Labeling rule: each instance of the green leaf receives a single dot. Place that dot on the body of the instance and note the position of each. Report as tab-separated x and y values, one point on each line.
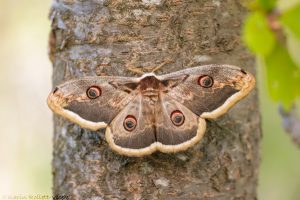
267	4
283	76
293	45
291	19
257	35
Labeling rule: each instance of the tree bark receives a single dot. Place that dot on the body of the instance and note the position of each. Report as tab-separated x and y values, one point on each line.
116	37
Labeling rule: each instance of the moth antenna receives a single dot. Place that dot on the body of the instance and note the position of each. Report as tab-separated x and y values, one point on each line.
135	70
166	61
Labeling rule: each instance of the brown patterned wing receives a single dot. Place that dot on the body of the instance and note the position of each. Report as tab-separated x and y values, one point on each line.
209	90
132	132
177	128
92	102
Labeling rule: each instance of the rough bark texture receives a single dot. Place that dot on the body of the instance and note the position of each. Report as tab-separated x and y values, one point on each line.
95	37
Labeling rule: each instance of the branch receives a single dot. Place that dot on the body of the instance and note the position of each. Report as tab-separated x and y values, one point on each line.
291	123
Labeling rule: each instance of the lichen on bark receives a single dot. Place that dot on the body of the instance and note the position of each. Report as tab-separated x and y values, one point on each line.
116	37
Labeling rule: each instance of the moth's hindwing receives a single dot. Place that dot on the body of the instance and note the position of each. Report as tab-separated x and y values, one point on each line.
153	128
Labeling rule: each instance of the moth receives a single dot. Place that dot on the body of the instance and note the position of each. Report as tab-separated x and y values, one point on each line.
152	113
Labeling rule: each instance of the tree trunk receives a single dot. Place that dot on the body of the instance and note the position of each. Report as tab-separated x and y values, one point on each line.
115	37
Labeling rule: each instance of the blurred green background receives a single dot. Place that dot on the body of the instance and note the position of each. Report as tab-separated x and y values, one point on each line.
26	122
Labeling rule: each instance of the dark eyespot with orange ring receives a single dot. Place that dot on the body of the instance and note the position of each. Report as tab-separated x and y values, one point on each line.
129	123
93	92
177	118
205	81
